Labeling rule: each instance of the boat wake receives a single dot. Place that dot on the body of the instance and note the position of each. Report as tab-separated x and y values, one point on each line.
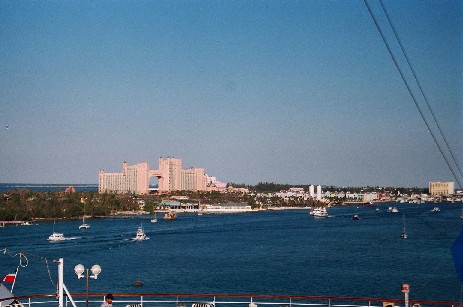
139	240
72	238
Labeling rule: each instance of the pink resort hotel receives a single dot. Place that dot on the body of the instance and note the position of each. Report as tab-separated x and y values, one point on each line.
171	177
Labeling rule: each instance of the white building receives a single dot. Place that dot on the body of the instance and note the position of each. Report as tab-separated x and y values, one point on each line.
226	208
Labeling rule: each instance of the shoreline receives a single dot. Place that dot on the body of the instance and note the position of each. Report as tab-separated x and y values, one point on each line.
134	214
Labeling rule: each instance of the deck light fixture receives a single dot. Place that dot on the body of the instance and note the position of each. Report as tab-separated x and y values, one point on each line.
80	269
96	269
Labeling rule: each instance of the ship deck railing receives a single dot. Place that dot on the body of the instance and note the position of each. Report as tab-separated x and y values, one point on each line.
220	300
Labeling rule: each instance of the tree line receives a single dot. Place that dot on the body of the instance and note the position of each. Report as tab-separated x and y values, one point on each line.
24	205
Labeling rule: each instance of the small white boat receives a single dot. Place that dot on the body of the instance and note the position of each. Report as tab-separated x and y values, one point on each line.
319	212
435	209
84	225
404	232
140	236
56	237
356	217
394	210
200	211
154	219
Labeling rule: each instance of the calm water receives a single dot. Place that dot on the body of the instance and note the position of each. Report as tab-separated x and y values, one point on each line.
284	252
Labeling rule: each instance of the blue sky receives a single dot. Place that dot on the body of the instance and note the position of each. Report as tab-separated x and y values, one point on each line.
299	92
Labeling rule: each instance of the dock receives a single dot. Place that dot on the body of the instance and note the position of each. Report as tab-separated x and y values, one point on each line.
12	223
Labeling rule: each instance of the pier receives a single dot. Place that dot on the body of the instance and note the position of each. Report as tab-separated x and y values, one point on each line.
13	223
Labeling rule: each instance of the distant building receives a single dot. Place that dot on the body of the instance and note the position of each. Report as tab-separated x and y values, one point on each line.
237	190
171	177
133	179
227	207
212	184
370	196
170	172
441	188
193	179
70	189
354	196
171	204
292	192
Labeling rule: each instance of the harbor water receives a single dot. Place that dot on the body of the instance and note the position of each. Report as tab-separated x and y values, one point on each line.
269	252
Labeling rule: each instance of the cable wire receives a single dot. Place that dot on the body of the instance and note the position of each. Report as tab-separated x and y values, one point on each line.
410	91
421	90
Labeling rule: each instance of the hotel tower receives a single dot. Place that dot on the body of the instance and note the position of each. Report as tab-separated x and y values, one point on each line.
171	177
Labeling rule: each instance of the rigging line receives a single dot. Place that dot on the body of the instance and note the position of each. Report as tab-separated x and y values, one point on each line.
6	251
420	88
23	255
410	91
49	274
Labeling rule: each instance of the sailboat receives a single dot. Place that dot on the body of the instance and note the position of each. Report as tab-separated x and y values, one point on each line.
200	209
84	225
154	220
404	232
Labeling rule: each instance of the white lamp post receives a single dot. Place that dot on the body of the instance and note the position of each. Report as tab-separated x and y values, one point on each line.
79	270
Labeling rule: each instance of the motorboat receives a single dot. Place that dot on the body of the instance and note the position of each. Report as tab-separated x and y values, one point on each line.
170	216
435	209
394	210
319	212
56	237
356	217
140	236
